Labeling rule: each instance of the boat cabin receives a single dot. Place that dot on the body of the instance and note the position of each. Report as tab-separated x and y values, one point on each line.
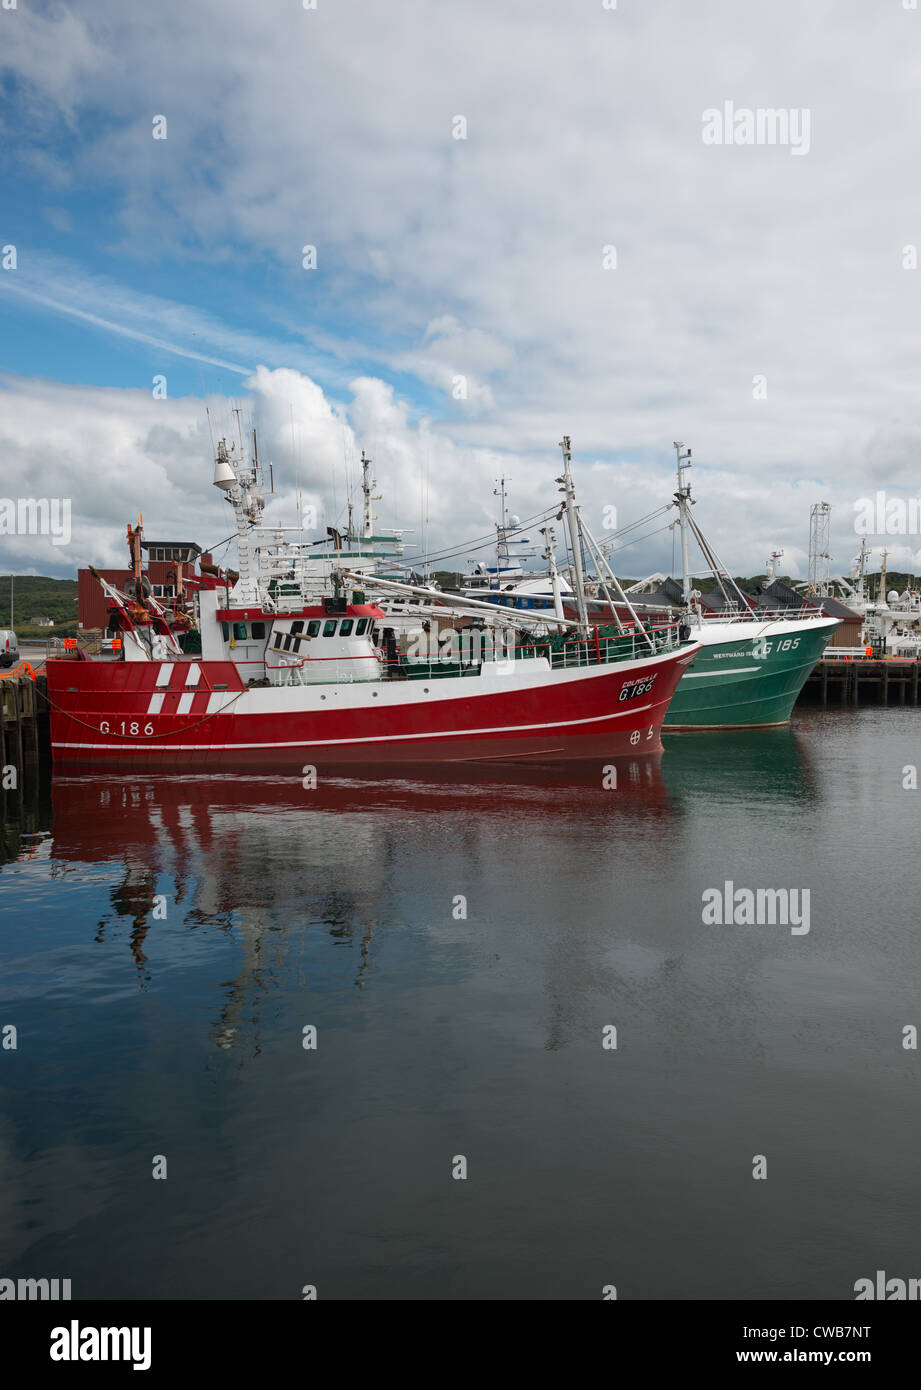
331	641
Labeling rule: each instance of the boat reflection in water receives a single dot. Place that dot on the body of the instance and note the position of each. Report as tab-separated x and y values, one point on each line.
443	1031
264	857
751	767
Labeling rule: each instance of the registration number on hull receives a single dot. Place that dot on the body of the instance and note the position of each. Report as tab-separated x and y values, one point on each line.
638	687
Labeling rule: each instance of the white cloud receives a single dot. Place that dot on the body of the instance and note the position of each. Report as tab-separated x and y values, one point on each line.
483	257
114	453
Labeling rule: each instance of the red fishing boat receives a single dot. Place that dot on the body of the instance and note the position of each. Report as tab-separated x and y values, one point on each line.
288	664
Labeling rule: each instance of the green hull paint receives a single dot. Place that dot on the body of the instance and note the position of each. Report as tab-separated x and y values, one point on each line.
729	685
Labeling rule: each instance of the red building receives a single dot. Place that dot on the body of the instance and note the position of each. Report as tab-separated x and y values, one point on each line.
167	562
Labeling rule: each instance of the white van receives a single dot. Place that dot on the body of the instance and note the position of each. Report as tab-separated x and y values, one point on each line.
9	646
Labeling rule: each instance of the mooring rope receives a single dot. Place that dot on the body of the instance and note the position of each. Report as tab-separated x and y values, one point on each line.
170	732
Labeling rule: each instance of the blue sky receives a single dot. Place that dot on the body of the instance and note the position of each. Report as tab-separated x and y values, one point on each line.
479	258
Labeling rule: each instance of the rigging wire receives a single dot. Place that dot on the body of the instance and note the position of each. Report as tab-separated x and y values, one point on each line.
638	540
479	542
641	521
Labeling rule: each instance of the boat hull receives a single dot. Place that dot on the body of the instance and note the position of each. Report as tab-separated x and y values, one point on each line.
748	680
200	715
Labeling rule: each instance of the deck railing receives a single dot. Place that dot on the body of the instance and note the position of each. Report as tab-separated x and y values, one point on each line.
565	653
765	615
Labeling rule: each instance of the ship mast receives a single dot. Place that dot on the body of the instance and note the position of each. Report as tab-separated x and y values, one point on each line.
683	498
239	485
862	569
367	484
550	556
572	521
501	532
772	567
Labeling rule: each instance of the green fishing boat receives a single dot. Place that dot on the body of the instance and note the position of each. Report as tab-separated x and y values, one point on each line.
754	660
748	673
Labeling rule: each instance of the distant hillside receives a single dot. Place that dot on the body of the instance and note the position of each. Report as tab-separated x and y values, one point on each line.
895	579
38	597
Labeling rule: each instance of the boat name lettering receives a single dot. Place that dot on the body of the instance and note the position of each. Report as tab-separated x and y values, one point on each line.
637	687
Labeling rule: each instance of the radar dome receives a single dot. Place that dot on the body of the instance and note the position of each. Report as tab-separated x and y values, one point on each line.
892	596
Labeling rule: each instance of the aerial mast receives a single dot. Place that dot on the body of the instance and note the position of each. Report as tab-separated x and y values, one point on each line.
502	556
368	483
550	556
862	568
572	520
772	567
683	498
239	486
819	549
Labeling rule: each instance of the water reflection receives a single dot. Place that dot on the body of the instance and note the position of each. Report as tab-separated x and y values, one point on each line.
749	766
277	867
262	858
181	1033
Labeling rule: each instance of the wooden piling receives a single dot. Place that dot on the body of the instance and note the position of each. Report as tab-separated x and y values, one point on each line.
23	719
864	679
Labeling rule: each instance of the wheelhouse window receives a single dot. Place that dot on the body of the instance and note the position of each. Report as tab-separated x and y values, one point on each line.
297	627
240	632
313	627
225	632
329	628
345	627
361	627
258	629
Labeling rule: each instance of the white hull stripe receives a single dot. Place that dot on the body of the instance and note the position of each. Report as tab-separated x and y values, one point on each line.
164	673
193	676
218	700
721	671
185	703
150	746
156	704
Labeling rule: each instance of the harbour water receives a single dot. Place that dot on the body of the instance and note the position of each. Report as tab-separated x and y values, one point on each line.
461	943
